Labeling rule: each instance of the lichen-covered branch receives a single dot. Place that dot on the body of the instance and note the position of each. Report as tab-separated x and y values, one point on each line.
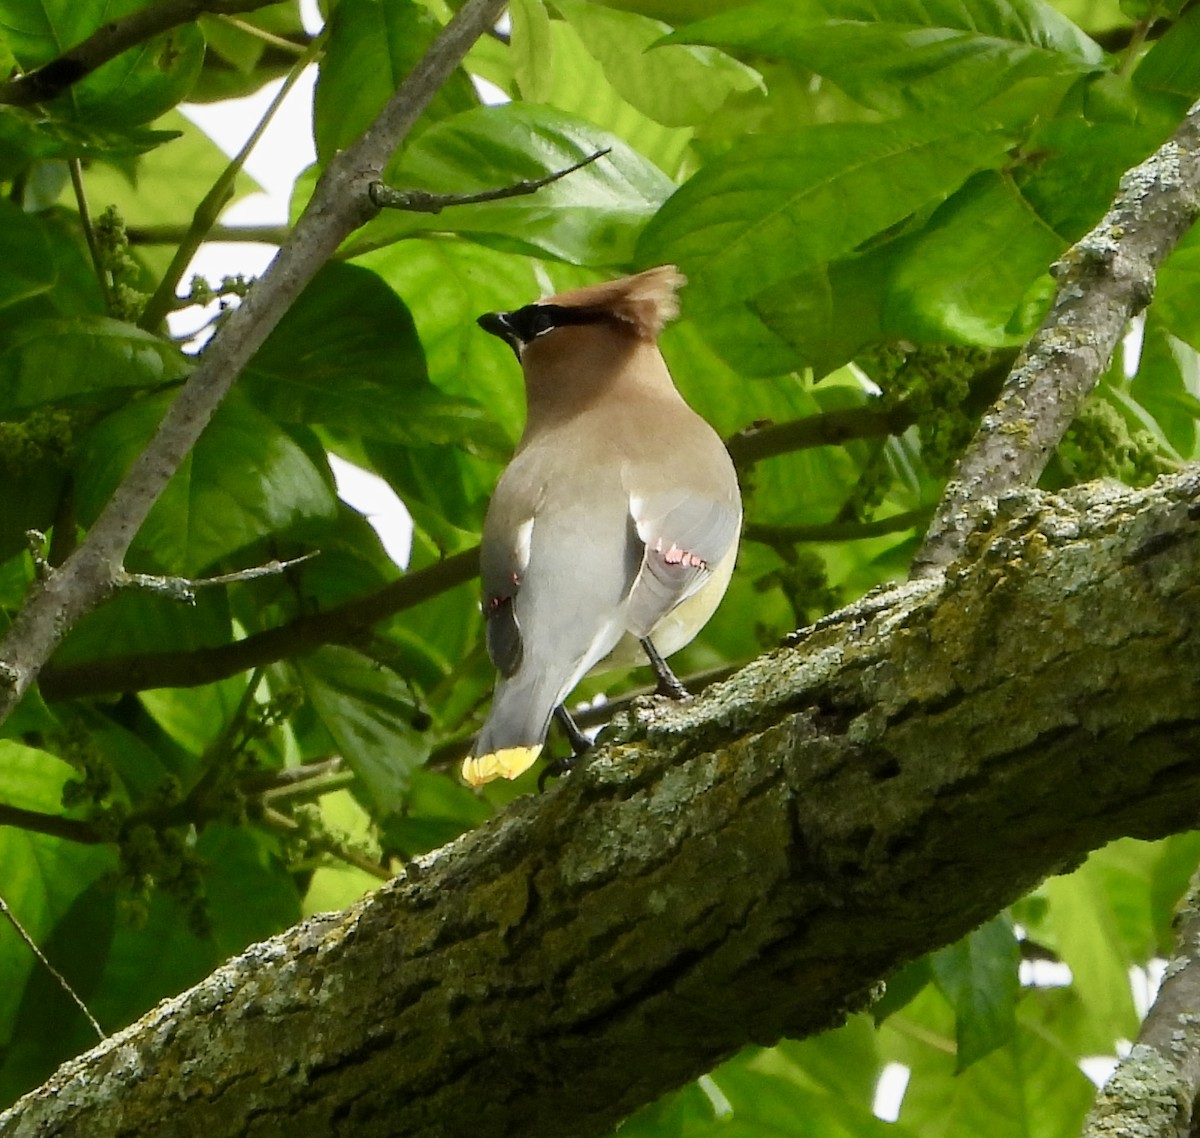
719	873
1152	1093
1103	280
340	203
110	40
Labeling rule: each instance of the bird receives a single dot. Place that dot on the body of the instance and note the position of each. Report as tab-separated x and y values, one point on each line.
613	531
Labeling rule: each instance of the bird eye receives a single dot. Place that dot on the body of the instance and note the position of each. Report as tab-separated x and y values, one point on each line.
540	322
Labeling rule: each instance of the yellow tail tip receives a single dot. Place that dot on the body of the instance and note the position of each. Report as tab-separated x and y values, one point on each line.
508	762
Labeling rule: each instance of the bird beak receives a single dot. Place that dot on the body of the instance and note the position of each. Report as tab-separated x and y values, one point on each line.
501	324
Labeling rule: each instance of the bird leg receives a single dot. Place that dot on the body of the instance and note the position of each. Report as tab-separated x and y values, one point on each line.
579	743
668	683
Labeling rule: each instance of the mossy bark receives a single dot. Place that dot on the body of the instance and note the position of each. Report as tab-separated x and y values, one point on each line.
725	872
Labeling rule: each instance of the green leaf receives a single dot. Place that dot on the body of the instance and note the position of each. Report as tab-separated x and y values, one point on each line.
135	87
1173	63
28	265
775	204
1167	385
164	186
937	292
26	137
134	622
46	361
1030	1088
369	712
590	217
903	988
372	48
41	875
532	48
1088	939
828	313
1177	292
676	84
249	896
978	975
908	56
346	355
243	480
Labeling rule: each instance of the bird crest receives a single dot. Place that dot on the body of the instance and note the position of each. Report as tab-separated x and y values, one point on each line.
645	301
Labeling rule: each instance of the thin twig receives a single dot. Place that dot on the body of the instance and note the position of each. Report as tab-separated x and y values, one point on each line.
173	234
289	46
89	230
423	201
344	624
835	531
107	42
267	782
184	588
282	823
1103	280
58	976
69	829
217	198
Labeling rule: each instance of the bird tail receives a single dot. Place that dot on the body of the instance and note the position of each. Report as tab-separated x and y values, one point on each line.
512	737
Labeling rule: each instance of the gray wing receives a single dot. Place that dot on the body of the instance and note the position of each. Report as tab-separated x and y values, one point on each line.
504	557
685	536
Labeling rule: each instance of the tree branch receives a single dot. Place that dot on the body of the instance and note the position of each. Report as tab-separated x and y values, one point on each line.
724	872
834	531
340	203
70	829
108	41
348	623
423	201
1103	280
1152	1093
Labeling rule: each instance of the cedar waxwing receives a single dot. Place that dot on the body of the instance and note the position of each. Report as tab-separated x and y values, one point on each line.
614	530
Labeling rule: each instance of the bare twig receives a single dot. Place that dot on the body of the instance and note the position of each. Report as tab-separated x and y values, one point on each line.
89	230
835	531
344	624
326	844
60	979
1102	281
289	47
173	234
184	588
210	207
69	829
340	203
1153	1090
107	42
423	201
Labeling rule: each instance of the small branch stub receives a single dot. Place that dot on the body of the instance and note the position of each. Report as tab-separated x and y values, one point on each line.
424	201
184	588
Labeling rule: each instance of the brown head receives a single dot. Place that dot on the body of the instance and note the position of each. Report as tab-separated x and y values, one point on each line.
579	344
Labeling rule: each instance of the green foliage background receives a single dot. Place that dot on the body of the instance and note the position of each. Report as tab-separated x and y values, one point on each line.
866	196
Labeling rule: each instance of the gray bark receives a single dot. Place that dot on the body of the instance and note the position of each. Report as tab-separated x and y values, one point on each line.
725	872
1104	279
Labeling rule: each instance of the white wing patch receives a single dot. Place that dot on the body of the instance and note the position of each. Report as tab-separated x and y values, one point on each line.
523	545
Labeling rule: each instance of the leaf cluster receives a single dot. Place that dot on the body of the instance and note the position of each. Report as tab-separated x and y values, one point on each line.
866	198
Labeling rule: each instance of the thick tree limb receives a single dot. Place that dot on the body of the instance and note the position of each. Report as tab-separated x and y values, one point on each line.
108	41
724	872
1103	280
1153	1091
340	203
